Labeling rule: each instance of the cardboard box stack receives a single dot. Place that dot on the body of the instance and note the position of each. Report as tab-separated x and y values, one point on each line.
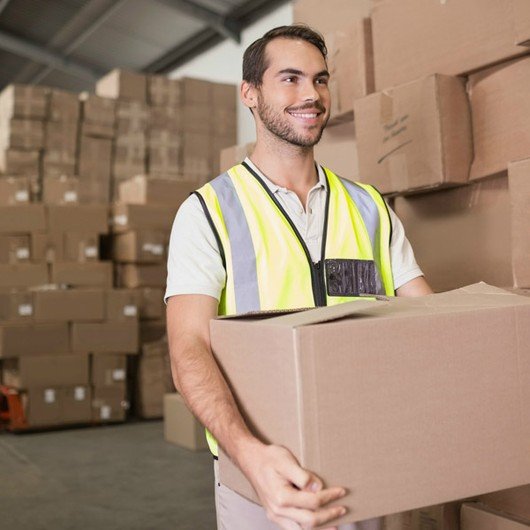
180	426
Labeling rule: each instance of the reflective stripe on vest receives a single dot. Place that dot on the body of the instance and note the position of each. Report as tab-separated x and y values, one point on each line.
267	263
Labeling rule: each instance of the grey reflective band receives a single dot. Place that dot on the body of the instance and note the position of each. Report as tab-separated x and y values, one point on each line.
241	245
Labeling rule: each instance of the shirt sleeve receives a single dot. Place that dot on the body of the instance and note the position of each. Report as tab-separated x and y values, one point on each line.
194	263
404	266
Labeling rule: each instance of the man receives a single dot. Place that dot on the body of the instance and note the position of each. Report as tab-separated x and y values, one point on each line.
277	231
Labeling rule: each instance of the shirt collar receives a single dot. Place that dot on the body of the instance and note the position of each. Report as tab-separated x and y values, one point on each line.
322	182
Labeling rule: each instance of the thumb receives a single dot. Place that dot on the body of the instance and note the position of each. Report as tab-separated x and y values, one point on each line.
314	484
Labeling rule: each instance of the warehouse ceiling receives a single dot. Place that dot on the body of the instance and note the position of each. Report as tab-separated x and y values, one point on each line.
70	43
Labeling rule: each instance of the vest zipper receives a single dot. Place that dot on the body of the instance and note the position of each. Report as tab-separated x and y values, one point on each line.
317	273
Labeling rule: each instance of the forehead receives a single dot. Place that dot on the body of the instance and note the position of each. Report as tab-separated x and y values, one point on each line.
282	53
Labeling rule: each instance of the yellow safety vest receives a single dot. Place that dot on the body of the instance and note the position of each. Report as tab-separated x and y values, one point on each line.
267	263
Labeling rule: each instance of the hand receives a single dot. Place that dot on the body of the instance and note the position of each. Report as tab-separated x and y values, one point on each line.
292	496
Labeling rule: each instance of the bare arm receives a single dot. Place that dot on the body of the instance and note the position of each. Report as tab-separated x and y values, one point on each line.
287	491
416	287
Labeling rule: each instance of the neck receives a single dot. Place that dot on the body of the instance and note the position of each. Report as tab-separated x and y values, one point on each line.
288	166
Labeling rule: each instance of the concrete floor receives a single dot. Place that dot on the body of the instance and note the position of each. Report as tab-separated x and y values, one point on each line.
104	478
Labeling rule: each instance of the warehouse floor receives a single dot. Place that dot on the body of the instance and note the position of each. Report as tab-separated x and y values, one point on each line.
106	478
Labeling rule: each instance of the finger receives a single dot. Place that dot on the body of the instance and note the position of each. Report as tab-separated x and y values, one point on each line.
299	476
311	501
310	518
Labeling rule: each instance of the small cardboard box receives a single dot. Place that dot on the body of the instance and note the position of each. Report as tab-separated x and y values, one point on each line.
500	110
131	117
24	101
81	246
88	274
129	155
109	404
122	84
165	119
46	370
20	162
108	369
415	136
163	91
47	247
14	191
132	275
23	275
402	372
126	217
16	306
61	190
22	218
414	38
23	134
180	426
145	190
57	164
165	159
68	305
480	517
121	304
140	247
98	115
78	218
61	137
150	303
95	156
17	339
152	330
105	337
63	106
15	248
513	501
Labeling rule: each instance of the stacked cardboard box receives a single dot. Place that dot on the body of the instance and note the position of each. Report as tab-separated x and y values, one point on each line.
180	426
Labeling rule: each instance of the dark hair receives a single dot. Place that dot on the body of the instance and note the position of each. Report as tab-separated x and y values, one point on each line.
254	60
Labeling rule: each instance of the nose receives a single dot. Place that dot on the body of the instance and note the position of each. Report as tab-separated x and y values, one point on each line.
309	91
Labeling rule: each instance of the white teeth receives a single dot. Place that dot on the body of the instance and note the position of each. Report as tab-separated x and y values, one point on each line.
300	115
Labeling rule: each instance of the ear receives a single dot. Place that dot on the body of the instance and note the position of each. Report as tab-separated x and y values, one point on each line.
248	94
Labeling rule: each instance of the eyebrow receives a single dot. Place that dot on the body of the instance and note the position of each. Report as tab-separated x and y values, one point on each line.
294	71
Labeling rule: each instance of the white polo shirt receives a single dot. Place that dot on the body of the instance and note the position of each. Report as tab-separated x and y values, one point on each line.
194	262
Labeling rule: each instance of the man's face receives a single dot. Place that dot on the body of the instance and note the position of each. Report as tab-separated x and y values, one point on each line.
293	100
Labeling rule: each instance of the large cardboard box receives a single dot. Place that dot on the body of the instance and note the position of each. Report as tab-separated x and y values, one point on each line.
354	391
22	218
163	91
19	339
14	248
22	134
108	369
20	162
68	304
60	141
131	117
105	337
109	404
23	275
88	274
47	247
414	38
132	275
61	190
165	119
474	233
140	247
78	218
500	109
121	304
145	190
14	191
180	426
513	501
351	65
63	106
46	370
16	306
479	517
336	15
81	246
24	101
415	136
126	217
98	115
122	84
150	303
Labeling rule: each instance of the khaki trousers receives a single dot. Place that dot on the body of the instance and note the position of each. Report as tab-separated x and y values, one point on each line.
234	512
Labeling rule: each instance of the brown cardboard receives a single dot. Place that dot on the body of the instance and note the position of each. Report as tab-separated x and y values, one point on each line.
350	63
81	246
337	150
337	13
140	247
105	337
98	115
196	161
165	119
439	517
109	404
47	247
77	404
195	91
415	136
474	233
22	134
14	191
513	501
63	106
68	305
479	517
19	162
61	138
23	275
152	330
33	339
129	155
127	217
131	117
94	168
133	275
46	370
60	190
150	303
108	369
22	218
122	84
164	159
442	30
163	91
224	95
500	110
88	274
196	117
57	164
121	304
14	248
145	190
78	218
311	381
234	155
16	306
24	101
180	426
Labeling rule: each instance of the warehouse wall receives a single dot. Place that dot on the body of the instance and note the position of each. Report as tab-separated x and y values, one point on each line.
223	63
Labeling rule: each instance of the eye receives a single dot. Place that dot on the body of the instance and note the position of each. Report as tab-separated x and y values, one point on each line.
290	79
322	81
